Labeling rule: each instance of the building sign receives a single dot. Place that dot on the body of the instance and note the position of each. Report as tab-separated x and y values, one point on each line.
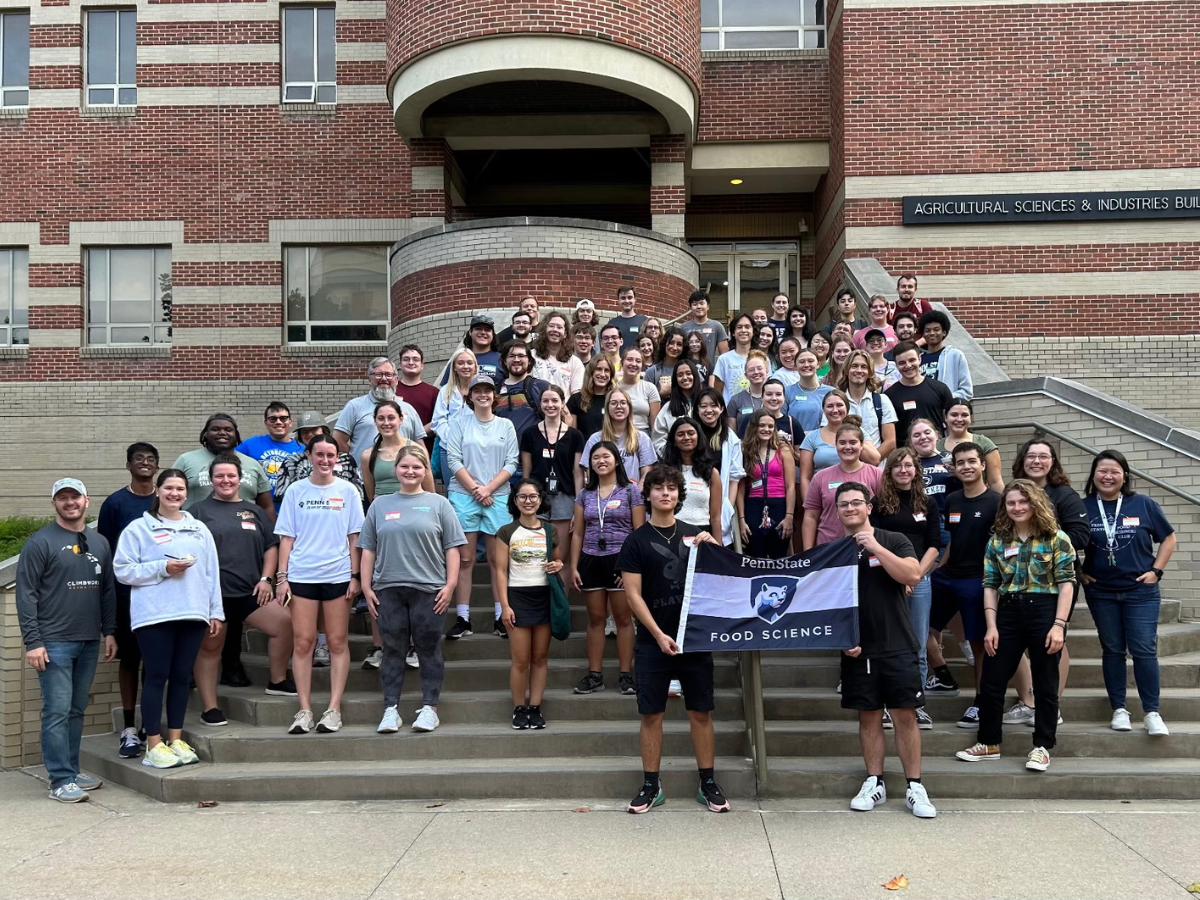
1079	207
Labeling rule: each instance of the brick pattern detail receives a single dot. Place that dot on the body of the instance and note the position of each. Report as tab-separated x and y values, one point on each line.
666	29
184	363
668	199
431	152
1048	315
56	317
195	274
764	100
668	148
1073	258
226	315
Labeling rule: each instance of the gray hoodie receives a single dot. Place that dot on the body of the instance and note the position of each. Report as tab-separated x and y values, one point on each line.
143	551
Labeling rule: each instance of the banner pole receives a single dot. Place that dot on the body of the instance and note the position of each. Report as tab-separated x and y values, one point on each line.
752	702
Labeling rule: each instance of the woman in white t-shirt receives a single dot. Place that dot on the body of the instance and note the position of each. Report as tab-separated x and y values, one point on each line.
729	373
553	359
523	565
643	395
318	526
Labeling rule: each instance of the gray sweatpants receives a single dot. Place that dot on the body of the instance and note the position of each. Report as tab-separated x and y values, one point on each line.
403	613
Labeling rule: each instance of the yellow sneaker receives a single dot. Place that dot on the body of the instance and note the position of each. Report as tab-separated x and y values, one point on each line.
160	757
184	752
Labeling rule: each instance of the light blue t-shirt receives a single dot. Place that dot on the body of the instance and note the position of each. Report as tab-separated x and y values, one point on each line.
805	406
824	455
270	454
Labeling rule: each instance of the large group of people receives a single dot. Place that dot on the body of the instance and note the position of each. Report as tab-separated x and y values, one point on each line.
594	458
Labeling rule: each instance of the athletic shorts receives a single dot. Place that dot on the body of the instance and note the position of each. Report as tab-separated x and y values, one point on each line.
653	671
599	573
891	681
562	507
241	608
531	604
474	516
128	651
322	592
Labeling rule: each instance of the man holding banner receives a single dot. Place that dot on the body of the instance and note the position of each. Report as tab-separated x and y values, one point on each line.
884	670
653	566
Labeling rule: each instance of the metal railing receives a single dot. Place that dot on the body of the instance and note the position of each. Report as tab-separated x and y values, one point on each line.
1042	430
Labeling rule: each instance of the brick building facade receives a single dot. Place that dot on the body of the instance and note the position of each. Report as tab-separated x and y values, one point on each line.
321	181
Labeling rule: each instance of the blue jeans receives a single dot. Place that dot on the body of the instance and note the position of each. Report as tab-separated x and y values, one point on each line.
66	683
918	613
1128	621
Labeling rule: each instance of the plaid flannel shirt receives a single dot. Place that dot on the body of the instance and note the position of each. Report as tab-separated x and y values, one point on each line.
1034	566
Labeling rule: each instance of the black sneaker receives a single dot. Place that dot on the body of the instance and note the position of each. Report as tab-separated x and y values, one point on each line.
970	719
499	630
536	719
924	720
941	682
234	676
460	629
650	796
213	717
710	794
887	720
591	683
285	688
625	683
521	718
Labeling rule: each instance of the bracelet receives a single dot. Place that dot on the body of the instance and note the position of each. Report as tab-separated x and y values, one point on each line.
1061	625
353	576
280	577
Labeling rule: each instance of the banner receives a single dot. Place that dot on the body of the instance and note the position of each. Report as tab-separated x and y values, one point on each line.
804	602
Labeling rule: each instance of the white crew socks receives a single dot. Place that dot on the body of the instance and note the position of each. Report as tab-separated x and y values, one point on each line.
497	607
464	611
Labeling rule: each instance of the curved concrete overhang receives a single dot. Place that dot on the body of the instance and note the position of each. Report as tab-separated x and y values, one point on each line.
526	57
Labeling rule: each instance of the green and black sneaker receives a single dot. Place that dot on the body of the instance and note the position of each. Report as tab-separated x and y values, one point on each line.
650	796
710	794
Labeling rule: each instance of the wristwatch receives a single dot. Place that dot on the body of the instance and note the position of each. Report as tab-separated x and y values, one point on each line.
1158	573
268	579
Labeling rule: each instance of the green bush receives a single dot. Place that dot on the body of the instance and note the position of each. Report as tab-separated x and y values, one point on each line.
15	530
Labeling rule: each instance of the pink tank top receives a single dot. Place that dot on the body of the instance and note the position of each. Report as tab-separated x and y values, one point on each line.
775	484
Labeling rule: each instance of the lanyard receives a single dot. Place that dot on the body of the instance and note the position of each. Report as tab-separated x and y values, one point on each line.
1110	531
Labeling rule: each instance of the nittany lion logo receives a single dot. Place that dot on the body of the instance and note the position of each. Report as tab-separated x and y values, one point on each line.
771	595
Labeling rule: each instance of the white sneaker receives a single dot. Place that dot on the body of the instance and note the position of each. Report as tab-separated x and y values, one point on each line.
1155	726
610	627
303	723
1120	720
873	791
916	798
331	721
427	719
1038	759
374	659
1018	714
675	689
320	658
967	652
411	660
390	723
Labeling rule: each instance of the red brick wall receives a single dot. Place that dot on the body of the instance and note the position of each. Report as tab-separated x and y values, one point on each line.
1072	316
184	364
667	29
764	100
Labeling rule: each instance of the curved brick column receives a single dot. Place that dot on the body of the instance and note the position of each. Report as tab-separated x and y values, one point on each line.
443	275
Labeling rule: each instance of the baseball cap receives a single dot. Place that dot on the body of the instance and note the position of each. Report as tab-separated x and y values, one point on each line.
481	379
871	332
64	483
311	419
585	304
483	320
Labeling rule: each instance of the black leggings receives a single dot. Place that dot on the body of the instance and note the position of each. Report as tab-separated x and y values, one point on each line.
169	651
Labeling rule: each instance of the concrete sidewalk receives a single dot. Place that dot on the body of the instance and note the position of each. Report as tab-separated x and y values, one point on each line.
122	844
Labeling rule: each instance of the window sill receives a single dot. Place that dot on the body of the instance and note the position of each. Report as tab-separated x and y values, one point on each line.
161	351
720	55
308	109
107	112
18	352
14	112
335	349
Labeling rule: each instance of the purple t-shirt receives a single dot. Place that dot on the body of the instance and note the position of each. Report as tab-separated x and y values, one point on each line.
618	519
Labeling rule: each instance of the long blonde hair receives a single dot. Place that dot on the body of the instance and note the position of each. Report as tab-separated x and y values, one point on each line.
629	439
452	384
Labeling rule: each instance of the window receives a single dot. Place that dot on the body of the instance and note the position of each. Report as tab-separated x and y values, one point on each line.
111	57
746	275
14	297
128	295
14	59
762	24
309	55
336	294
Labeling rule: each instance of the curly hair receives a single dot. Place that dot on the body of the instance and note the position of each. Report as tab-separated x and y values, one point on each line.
887	501
541	346
1042	524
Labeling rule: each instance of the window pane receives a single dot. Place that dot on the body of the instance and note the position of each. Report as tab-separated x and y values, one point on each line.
102	48
102	96
759	281
20	336
710	40
326	45
127	97
302	94
16	50
814	40
163	290
128	54
20	287
739	13
130	335
295	334
6	300
131	277
348	284
16	98
327	93
814	12
97	286
3	336
162	334
298	44
714	281
761	40
710	13
97	336
296	284
348	333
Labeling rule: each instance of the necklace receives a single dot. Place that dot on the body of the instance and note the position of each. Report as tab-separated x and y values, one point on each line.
674	528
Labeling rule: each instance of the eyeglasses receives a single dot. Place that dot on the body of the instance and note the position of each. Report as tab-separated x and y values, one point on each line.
851	504
1039	457
383	375
144	458
528	498
276	419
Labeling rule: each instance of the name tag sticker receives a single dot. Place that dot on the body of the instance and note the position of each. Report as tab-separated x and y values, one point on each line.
336	502
613	504
834	485
547	453
1010	552
918	517
873	561
163	538
392	516
1132	521
689	541
756	484
249	526
955	518
910	405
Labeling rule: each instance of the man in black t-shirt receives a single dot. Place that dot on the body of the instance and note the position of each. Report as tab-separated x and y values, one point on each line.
653	565
882	675
914	396
958	582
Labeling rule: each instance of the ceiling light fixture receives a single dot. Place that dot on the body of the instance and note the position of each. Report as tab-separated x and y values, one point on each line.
735	181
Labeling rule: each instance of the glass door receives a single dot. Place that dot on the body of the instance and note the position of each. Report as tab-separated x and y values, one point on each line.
742	277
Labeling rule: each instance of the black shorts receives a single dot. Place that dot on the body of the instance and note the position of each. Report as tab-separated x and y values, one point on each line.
653	671
240	608
308	591
891	681
943	605
128	651
531	604
599	573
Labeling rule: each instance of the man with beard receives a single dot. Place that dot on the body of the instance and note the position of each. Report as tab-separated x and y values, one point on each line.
355	429
272	448
653	566
220	433
519	397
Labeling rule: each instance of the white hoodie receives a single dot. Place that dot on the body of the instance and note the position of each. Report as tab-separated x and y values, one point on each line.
143	551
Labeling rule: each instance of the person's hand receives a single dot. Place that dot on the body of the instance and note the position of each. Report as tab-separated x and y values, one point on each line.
853	652
214	627
508	616
554	566
1056	636
704	537
441	600
866	540
908	590
1089	579
281	590
263	592
991	640
576	580
785	527
38	658
372	602
110	648
667	645
1144	578
745	527
619	582
179	566
353	589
